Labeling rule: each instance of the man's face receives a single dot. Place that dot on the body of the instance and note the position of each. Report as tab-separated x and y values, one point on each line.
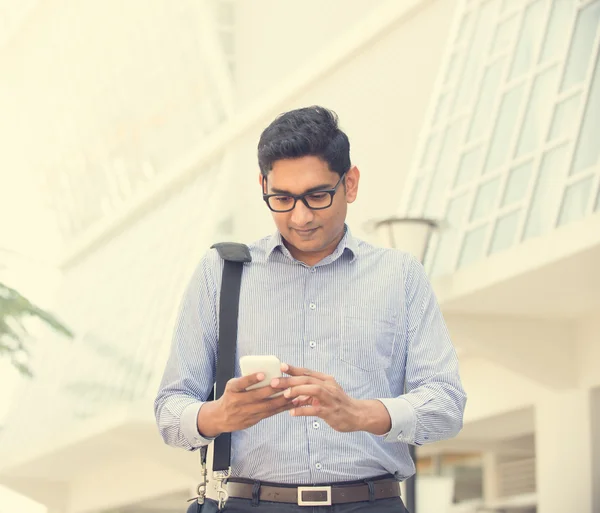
311	233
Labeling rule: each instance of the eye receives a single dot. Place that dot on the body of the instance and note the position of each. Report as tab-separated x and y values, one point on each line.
282	200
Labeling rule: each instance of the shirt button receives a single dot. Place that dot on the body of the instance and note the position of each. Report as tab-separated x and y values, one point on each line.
312	344
318	466
316	425
312	306
313	270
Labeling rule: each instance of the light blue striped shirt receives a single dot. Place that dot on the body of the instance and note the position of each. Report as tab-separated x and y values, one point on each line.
365	315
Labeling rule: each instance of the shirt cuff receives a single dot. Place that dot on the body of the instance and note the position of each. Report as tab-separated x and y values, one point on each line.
189	426
404	420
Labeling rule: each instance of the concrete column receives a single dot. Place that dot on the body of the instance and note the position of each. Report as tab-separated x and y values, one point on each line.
490	477
563	442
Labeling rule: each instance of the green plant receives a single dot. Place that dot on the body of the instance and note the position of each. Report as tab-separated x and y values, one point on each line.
14	337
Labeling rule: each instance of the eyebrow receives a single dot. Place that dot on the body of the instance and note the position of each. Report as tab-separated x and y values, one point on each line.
326	187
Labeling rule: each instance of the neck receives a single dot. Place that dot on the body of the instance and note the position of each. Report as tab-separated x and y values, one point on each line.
311	258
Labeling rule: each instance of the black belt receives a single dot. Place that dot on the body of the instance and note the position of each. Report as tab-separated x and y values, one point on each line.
384	487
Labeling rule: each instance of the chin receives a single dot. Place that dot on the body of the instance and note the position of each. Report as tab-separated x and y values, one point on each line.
307	245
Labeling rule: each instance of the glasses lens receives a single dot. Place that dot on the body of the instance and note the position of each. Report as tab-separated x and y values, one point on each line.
281	203
319	200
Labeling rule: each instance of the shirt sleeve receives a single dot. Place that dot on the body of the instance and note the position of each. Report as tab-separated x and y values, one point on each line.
190	370
432	407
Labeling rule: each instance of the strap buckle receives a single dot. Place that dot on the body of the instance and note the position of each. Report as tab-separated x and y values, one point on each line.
321	495
221	477
202	485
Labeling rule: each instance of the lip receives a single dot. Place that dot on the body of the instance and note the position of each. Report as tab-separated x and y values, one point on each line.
305	232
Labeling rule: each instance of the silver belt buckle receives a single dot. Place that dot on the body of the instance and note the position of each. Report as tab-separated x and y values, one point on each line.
325	502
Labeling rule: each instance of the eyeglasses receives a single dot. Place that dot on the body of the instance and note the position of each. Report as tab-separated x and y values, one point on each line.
315	200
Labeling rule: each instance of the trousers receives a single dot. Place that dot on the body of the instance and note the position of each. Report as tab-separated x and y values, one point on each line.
234	505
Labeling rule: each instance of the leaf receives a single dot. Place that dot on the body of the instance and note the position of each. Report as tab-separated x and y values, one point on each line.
13	309
23	368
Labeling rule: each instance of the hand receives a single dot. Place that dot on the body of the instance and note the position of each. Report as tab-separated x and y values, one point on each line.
239	409
315	394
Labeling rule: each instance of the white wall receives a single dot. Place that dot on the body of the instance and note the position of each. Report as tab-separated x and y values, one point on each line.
588	350
274	38
381	94
493	390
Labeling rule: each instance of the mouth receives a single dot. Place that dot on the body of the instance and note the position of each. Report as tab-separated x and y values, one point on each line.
305	232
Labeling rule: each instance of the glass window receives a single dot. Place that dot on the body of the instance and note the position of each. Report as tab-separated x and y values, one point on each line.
414	194
465	27
538	113
575	201
504	129
563	122
452	70
483	109
476	49
517	183
505	232
448	240
582	45
469	167
529	36
430	152
504	35
472	249
442	176
442	107
588	143
546	193
557	35
485	201
509	5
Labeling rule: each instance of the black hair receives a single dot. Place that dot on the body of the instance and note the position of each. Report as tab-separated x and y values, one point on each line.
310	131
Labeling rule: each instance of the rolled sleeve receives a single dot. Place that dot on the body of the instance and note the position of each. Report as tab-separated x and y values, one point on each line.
404	420
189	374
432	406
189	426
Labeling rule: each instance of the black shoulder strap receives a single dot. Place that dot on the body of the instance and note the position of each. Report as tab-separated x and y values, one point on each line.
234	256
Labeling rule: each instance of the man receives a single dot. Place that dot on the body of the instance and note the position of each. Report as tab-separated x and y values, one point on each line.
353	323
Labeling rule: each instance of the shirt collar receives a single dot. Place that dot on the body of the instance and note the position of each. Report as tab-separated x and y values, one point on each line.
348	242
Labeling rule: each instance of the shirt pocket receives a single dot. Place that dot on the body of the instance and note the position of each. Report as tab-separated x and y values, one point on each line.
368	337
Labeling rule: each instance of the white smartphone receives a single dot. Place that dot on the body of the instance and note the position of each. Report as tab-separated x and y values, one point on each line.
269	365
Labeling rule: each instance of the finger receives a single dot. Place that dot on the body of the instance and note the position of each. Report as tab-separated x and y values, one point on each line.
295	381
267	407
308	390
298	402
260	394
269	413
301	371
306	411
241	384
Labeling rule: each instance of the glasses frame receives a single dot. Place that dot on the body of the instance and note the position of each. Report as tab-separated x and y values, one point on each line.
302	197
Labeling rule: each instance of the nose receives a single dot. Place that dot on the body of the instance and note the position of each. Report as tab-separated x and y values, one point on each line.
301	215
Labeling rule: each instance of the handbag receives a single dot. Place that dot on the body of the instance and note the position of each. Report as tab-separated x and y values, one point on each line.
234	256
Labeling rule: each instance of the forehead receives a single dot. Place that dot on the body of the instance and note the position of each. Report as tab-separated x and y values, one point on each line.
298	175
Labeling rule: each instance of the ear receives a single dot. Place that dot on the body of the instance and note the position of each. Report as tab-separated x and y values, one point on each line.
261	180
352	179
